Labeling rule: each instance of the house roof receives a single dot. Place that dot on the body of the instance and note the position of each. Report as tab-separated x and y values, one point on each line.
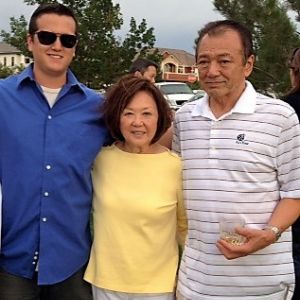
7	49
185	58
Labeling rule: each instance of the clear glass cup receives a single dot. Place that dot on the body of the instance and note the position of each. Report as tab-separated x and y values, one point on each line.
227	230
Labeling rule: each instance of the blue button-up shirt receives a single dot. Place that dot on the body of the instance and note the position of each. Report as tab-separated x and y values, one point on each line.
46	155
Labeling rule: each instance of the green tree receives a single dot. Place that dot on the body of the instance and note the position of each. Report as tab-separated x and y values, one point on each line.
100	56
274	35
6	71
17	37
139	42
295	6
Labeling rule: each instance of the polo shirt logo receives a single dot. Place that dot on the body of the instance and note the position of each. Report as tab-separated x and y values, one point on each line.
240	139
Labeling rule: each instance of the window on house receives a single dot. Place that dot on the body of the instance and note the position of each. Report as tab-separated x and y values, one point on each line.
12	61
188	70
27	60
4	62
169	68
180	69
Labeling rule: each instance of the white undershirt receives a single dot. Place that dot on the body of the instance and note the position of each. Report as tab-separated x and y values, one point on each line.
50	94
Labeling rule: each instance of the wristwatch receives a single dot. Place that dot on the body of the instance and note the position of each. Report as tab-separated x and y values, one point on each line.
277	232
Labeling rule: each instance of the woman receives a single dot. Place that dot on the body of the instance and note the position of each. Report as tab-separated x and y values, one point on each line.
293	98
138	210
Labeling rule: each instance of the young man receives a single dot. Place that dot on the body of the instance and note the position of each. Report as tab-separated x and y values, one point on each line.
241	158
144	68
51	131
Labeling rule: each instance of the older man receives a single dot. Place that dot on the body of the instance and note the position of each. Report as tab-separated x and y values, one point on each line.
241	158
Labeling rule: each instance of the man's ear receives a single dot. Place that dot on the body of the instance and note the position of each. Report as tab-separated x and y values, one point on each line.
138	74
29	41
249	65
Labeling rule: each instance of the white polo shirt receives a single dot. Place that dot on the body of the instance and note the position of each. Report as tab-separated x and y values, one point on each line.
240	164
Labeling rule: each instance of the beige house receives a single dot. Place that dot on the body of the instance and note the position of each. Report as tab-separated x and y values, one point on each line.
178	65
10	56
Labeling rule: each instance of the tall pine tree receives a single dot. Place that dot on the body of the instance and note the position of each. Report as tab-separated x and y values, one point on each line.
274	35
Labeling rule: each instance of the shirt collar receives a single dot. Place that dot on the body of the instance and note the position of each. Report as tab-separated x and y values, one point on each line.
28	75
245	104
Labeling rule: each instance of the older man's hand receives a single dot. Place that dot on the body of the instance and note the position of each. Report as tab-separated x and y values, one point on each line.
256	239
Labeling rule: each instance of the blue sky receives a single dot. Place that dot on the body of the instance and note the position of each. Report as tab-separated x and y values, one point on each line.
175	22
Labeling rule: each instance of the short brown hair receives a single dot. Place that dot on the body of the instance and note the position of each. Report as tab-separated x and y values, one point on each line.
121	94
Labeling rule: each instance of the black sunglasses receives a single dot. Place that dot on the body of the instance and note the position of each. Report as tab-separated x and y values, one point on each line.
48	38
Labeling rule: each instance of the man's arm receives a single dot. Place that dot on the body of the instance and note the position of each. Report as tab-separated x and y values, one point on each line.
166	139
285	214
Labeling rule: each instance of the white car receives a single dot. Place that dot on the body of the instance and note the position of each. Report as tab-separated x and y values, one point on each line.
199	94
175	92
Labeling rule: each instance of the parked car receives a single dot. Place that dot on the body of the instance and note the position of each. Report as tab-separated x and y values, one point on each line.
176	93
199	94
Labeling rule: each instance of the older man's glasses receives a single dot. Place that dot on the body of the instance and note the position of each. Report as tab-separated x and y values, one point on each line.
48	38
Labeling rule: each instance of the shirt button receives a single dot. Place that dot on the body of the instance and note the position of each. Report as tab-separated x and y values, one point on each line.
44	219
49	117
46	194
35	257
33	262
36	253
48	167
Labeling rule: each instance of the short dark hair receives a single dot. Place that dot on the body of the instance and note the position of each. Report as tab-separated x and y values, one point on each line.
120	95
218	27
50	8
141	64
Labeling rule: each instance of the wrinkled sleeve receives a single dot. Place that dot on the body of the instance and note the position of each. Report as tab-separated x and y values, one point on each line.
181	220
175	141
181	213
288	158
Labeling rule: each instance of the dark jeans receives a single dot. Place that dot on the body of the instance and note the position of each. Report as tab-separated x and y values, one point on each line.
18	288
